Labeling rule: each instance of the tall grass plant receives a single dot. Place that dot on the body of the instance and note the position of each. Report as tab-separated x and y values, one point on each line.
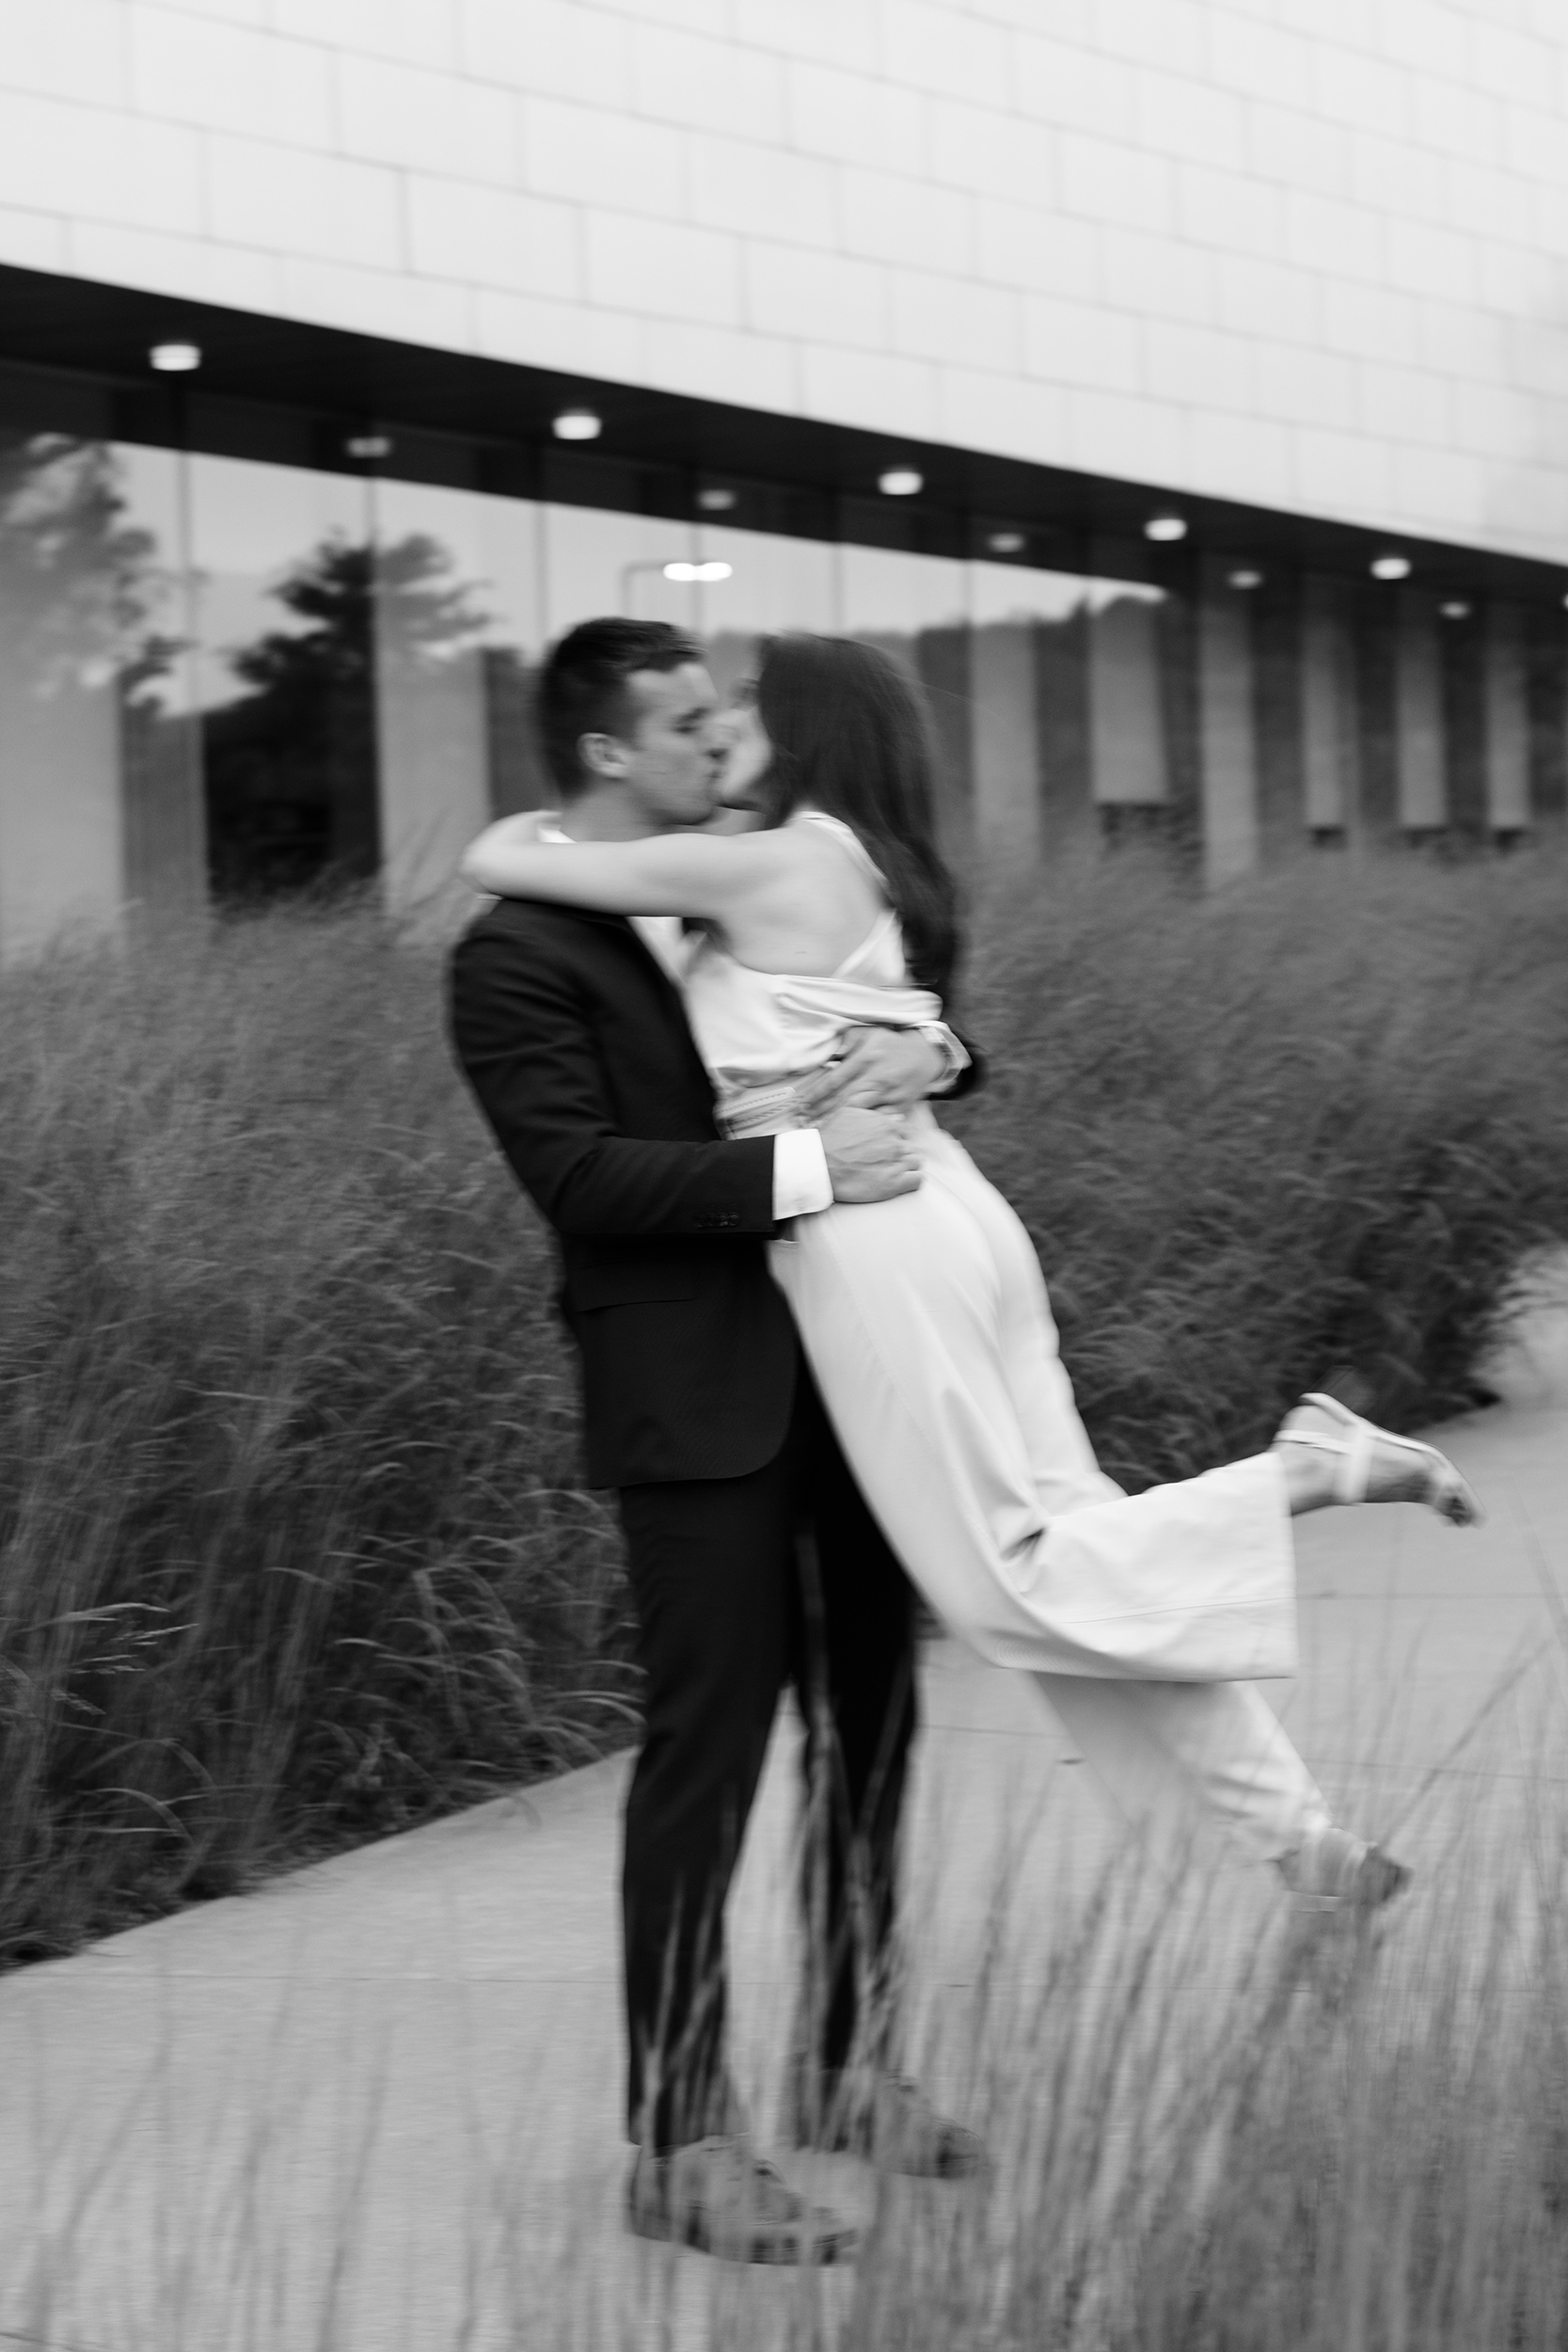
294	1544
1304	1131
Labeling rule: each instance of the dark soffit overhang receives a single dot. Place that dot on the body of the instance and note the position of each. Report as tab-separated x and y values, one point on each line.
282	389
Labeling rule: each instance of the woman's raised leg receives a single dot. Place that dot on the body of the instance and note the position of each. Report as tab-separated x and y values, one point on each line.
1145	1619
1173	1754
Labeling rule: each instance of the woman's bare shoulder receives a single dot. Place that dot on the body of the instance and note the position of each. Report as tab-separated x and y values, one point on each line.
814	908
789	855
821	847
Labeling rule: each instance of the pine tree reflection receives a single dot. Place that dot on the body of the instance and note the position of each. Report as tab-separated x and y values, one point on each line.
291	766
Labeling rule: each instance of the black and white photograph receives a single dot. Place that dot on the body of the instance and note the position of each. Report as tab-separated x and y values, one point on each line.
783	1175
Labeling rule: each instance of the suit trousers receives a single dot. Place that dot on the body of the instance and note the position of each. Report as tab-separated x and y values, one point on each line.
743	1586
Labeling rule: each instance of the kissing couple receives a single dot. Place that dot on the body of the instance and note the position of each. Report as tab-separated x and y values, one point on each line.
703	1019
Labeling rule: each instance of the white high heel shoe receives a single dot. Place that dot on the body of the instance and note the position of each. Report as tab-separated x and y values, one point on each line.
1331	1870
1444	1491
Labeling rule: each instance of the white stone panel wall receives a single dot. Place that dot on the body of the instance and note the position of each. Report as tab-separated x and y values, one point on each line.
1309	253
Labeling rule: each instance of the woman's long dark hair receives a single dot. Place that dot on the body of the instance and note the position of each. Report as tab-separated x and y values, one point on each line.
851	734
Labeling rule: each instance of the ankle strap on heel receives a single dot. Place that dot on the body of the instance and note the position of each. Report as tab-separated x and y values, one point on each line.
1353	1449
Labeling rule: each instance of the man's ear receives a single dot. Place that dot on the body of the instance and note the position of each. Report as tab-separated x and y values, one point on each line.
603	756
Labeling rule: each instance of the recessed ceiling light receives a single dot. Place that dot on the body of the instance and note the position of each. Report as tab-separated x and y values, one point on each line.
1391	567
697	571
715	500
1006	541
1455	609
578	424
1165	526
901	482
369	445
1246	577
175	358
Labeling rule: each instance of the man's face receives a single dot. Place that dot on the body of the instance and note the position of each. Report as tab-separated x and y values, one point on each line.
676	748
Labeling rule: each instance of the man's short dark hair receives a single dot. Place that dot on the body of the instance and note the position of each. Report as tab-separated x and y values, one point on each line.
583	685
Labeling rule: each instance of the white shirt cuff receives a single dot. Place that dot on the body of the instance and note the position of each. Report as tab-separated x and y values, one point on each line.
802	1183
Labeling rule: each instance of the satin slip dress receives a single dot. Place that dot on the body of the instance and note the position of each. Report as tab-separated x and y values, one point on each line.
928	1329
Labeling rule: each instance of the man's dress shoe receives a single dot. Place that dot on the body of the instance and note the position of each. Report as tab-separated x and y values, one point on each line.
719	2196
887	2118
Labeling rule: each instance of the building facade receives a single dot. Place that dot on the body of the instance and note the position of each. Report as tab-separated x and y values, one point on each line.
1180	389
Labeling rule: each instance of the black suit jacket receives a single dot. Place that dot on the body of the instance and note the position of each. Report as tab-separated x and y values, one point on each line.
576	1043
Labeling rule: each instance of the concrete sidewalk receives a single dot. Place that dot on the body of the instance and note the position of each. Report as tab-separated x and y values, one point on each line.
376	2103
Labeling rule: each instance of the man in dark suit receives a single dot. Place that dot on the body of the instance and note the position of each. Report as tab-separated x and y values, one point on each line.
753	1559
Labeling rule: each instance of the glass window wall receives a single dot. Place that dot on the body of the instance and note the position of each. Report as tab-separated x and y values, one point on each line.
243	677
430	617
1029	754
284	660
232	675
69	566
163	838
94	694
775	584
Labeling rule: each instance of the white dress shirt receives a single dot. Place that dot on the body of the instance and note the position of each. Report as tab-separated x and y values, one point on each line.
802	1183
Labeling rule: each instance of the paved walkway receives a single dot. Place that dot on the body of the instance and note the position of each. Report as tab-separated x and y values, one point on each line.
375	2104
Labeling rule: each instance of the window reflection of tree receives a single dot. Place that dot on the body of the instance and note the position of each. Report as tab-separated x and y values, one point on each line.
89	703
519	777
291	765
79	583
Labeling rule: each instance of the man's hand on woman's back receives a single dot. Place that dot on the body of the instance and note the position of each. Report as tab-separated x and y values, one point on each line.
878	1070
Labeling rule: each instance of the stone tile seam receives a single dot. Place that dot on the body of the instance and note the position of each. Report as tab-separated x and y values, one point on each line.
341	148
961	16
398	177
402	180
338	51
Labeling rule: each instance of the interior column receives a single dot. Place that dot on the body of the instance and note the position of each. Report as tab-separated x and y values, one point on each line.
1330	741
1507	728
1128	764
1420	741
1226	729
1004	740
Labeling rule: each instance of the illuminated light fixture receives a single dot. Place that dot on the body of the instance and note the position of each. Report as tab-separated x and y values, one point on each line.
1165	526
900	481
1246	577
175	358
1006	541
716	501
578	424
369	445
697	571
1455	609
1390	567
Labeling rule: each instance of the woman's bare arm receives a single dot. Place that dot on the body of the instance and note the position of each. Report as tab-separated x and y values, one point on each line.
712	876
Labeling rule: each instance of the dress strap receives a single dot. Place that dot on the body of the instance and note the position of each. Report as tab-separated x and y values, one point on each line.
849	838
885	927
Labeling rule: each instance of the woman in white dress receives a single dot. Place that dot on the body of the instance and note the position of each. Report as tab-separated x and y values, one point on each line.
1145	1619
